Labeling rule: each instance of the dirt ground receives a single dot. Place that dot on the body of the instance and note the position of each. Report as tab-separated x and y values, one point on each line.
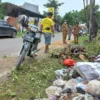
8	63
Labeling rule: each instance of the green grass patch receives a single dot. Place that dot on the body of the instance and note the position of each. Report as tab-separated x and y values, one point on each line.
20	34
93	47
32	80
82	39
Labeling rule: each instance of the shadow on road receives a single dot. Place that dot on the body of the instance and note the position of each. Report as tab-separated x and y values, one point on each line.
5	37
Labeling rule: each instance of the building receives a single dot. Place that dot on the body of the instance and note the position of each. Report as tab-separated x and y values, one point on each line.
31	7
11	12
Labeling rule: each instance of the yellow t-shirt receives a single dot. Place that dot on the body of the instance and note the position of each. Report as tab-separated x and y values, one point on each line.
47	22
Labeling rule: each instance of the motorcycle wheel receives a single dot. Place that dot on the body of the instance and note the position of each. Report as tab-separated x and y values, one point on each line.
21	57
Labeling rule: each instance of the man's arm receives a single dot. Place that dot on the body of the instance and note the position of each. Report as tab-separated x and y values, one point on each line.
52	29
41	27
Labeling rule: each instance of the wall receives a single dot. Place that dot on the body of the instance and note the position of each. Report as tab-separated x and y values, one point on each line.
31	7
12	21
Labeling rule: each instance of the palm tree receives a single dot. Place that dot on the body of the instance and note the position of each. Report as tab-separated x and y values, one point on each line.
55	4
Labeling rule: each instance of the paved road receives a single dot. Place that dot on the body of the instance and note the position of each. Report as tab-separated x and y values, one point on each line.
10	46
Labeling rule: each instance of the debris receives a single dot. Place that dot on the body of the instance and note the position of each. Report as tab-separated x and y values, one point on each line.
88	70
93	87
69	62
82	57
53	91
97	59
59	83
84	97
61	73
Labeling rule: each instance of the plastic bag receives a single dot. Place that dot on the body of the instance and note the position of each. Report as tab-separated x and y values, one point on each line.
70	85
59	83
69	62
93	87
84	97
88	70
53	91
61	73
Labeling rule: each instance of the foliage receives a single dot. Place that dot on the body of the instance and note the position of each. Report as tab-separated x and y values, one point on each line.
2	5
55	4
71	16
92	48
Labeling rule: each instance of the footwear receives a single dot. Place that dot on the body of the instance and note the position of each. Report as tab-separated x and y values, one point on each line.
64	42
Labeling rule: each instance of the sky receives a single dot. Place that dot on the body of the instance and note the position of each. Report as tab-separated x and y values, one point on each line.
68	5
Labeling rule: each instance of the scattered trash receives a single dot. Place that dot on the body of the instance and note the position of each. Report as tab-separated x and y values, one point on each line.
69	62
59	83
81	85
84	81
88	70
53	91
70	85
97	59
84	97
61	73
93	87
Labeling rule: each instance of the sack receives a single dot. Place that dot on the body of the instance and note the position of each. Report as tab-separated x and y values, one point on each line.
59	83
70	85
97	59
61	73
69	62
84	97
93	87
88	70
53	91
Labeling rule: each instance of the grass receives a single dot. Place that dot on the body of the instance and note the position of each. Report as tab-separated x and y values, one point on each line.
19	34
93	47
82	39
31	81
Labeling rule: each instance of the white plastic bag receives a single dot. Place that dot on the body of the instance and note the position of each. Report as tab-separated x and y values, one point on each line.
59	83
53	91
93	87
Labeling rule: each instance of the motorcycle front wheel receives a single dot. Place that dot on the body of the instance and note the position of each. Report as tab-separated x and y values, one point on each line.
22	56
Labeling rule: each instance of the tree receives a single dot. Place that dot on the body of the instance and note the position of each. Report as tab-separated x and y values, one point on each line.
55	4
71	17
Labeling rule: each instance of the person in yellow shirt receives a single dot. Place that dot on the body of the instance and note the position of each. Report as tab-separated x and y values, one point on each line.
47	28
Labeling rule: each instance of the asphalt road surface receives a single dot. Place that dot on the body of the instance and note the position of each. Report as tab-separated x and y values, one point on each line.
12	46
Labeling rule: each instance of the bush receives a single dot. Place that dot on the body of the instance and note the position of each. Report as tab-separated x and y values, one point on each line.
2	10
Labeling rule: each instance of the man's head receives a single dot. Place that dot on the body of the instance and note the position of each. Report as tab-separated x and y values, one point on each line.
50	14
65	22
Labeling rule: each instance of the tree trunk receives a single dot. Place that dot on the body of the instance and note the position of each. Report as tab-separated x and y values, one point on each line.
91	21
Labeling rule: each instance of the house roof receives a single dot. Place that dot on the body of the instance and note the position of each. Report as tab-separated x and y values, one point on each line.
14	11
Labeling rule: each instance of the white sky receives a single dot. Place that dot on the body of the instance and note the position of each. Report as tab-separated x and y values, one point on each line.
69	5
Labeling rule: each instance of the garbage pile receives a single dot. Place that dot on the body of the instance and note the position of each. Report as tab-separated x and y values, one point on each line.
79	81
68	52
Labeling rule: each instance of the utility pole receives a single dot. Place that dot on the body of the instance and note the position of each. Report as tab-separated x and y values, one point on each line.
91	21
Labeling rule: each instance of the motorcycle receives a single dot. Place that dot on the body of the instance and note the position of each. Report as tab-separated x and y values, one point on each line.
30	43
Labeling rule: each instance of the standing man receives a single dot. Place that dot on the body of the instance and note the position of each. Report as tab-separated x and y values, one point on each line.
69	32
76	32
47	27
64	31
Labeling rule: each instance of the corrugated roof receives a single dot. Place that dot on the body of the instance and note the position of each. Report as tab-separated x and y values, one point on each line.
14	11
